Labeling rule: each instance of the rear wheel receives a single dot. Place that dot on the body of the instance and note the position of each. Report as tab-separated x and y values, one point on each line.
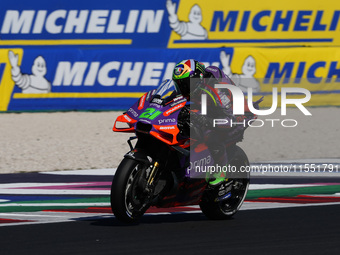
129	201
225	209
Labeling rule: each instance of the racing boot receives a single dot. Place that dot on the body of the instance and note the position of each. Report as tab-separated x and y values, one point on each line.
220	157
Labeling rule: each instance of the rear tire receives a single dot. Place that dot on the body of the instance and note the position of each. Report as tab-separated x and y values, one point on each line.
128	199
227	208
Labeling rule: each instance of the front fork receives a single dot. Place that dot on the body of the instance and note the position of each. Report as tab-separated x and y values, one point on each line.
151	176
153	173
150	180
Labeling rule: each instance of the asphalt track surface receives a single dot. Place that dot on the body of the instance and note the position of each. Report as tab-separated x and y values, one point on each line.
311	227
308	230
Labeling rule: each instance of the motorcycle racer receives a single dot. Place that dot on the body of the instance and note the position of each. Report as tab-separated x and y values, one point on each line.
166	166
192	80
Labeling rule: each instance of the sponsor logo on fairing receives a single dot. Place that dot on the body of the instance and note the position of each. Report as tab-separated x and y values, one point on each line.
164	121
127	118
200	163
179	102
133	112
173	109
141	102
167	128
157	101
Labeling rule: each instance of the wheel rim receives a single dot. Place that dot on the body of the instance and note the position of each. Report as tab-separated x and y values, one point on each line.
238	194
135	199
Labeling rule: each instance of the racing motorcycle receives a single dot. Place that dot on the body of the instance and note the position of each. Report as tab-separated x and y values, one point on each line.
157	171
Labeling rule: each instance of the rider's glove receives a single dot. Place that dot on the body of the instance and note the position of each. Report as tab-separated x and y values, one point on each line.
199	120
184	121
199	125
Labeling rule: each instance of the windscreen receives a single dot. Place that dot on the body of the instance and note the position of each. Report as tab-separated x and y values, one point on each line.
166	89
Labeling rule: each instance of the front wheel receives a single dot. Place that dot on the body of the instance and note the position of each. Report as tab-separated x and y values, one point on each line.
129	201
227	208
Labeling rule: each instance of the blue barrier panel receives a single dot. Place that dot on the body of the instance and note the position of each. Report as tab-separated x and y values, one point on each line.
137	24
87	79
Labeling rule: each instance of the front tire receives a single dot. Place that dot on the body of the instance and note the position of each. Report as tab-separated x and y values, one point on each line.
226	209
128	199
